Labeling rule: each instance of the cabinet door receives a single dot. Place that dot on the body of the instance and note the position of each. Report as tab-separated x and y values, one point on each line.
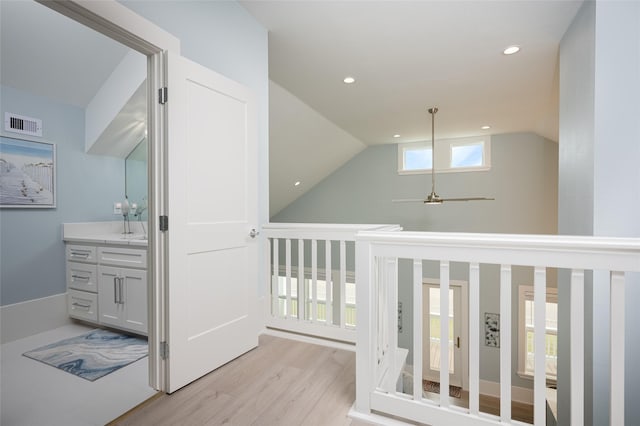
134	299
109	307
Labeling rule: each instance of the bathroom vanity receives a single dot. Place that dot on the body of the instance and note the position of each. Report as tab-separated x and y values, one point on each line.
107	274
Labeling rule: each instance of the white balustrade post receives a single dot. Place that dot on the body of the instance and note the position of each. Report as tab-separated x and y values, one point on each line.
417	329
328	283
577	347
391	283
302	294
289	307
539	332
275	308
365	343
343	283
314	280
474	338
444	334
617	348
505	343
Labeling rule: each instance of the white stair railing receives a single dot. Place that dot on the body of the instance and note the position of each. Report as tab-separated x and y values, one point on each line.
377	352
312	278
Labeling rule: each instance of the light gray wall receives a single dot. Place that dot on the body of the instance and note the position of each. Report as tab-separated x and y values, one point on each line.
31	247
599	156
575	186
617	183
523	179
223	36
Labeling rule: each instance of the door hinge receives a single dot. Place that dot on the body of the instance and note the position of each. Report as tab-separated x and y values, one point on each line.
164	350
163	95
164	223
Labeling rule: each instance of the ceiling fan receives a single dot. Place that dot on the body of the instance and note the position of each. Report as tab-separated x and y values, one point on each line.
434	198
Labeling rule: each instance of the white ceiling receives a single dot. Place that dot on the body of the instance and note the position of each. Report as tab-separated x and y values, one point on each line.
50	55
409	55
405	55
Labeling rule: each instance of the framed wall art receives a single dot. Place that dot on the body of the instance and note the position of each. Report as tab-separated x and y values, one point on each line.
492	330
27	173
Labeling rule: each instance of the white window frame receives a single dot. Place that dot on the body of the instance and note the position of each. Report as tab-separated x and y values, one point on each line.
443	152
525	292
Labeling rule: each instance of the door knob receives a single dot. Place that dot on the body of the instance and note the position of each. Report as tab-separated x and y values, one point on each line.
253	233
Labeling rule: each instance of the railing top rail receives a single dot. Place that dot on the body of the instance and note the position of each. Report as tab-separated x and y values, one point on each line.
563	251
327	231
522	240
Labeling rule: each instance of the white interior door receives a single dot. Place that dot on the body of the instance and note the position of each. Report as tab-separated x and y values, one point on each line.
432	339
212	207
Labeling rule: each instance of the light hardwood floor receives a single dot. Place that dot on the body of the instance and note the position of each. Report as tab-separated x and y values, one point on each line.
280	383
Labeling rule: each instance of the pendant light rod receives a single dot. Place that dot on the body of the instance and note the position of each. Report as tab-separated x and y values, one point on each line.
433	111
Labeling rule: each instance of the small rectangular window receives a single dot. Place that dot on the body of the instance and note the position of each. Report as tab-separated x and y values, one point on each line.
418	158
451	155
470	155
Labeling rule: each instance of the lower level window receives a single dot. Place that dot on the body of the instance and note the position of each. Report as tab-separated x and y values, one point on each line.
526	333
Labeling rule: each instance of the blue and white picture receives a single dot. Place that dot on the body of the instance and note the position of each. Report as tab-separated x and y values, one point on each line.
27	173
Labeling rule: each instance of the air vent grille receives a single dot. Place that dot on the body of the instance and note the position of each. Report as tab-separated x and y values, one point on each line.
21	124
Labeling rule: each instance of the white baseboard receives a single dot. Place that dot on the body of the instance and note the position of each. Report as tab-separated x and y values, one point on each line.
309	339
518	394
25	319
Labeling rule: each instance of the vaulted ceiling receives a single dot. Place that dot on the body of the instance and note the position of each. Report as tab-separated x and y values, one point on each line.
409	55
404	55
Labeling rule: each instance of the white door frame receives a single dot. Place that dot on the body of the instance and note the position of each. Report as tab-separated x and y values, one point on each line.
125	26
464	324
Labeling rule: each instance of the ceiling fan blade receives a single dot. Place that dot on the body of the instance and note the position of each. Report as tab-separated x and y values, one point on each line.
408	200
469	199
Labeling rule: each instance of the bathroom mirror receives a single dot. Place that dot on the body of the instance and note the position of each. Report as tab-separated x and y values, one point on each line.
135	166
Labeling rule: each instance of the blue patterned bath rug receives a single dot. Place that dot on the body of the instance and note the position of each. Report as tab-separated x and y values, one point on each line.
92	355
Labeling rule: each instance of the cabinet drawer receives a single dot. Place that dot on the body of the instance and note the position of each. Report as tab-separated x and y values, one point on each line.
82	305
79	253
82	276
132	258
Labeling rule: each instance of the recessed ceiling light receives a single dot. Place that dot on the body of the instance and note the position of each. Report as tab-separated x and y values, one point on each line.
511	50
297	183
396	136
485	127
349	80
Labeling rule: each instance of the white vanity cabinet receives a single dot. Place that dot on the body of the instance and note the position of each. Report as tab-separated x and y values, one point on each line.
107	284
122	299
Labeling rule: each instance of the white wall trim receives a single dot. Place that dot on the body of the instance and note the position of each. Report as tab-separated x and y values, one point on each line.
518	394
31	317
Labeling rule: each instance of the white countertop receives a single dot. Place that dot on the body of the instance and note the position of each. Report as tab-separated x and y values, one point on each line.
105	233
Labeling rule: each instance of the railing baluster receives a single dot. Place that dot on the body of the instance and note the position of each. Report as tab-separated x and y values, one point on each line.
418	316
505	343
474	338
380	307
539	327
287	255
314	280
444	334
328	305
577	347
302	294
617	348
343	282
275	299
391	283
